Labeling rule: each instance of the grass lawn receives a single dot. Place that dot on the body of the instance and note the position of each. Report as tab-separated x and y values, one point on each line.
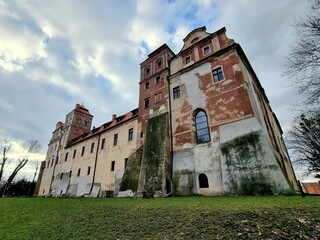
281	217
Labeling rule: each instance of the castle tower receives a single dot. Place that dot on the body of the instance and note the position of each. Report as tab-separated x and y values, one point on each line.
77	122
153	85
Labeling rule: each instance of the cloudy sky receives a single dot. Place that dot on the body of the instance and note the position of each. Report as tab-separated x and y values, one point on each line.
56	53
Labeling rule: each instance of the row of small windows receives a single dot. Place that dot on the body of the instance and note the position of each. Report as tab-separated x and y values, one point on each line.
159	64
112	168
103	143
206	50
157	81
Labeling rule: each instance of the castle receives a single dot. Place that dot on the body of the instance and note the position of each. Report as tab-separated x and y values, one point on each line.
203	126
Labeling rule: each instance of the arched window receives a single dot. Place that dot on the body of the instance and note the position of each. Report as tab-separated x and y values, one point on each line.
203	181
159	63
147	71
202	128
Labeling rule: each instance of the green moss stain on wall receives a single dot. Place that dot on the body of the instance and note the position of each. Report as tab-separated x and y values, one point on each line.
244	166
183	183
131	175
154	154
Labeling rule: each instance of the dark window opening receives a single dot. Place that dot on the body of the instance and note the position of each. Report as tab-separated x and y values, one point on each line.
203	181
74	153
147	103
202	128
66	157
159	63
206	50
115	139
92	147
103	142
157	79
113	163
88	171
217	74
147	85
130	134
147	71
176	92
79	170
61	176
82	152
70	174
125	162
141	134
188	59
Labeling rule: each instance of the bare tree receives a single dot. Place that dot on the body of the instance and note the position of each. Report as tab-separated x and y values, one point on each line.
304	140
303	62
30	146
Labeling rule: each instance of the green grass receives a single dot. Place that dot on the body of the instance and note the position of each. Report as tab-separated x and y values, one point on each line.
290	217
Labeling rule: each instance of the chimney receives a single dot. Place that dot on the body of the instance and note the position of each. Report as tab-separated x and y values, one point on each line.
114	116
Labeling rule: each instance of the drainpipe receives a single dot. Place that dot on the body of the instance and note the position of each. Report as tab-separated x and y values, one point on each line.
95	165
170	123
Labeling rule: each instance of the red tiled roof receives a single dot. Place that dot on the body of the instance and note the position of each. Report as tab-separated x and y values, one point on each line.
312	187
106	126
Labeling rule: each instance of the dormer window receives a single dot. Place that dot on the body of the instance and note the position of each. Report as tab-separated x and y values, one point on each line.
188	59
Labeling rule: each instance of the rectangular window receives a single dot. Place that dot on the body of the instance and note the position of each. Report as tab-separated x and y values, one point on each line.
188	59
130	134
103	142
217	74
79	170
125	162
115	139
176	92
157	97
206	50
147	85
61	176
141	134
157	79
92	147
66	157
74	153
88	171
147	103
113	163
70	174
82	152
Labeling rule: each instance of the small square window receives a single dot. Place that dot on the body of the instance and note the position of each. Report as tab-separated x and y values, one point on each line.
217	74
206	50
147	85
147	103
113	163
176	92
188	59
